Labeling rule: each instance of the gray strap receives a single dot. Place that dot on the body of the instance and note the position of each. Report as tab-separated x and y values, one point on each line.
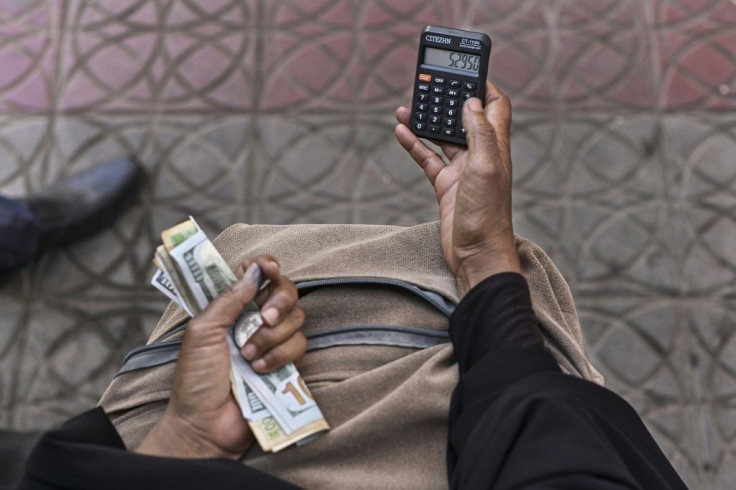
161	354
374	337
413	338
164	351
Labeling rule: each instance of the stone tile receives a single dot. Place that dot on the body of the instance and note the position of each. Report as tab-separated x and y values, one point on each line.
62	356
25	146
28	54
590	191
696	50
555	55
135	55
336	170
199	162
316	58
664	355
699	153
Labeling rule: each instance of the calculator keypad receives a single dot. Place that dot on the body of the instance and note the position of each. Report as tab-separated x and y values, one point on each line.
438	105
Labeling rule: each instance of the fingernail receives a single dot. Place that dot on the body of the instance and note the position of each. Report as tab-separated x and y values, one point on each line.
271	316
253	274
473	104
259	364
249	351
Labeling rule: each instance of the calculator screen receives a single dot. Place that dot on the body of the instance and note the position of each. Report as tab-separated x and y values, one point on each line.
441	58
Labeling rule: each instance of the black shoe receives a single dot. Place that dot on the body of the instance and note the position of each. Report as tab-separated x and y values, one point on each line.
86	202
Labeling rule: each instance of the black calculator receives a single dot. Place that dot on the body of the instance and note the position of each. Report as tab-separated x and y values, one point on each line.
452	67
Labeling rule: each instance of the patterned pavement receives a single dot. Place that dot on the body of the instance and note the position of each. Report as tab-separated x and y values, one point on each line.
281	112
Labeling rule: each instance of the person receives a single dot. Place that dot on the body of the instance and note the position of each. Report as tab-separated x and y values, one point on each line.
65	212
515	420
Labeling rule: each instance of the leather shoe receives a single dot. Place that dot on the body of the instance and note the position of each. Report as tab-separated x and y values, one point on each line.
86	202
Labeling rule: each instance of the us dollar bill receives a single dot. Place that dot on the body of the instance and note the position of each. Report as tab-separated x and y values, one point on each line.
278	406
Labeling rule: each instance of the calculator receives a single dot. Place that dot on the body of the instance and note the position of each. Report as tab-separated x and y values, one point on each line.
452	67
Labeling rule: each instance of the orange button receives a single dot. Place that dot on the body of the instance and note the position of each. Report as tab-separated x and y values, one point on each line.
425	77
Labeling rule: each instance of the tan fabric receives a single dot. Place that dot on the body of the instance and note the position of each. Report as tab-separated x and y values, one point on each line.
387	405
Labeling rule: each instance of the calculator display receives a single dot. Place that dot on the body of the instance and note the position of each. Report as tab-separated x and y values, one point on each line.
442	58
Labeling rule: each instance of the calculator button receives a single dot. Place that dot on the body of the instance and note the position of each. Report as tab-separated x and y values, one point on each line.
461	132
470	86
450	123
467	95
438	90
436	109
423	97
453	92
434	129
424	87
448	132
451	112
425	77
437	100
452	103
435	119
454	83
420	117
421	106
419	126
439	80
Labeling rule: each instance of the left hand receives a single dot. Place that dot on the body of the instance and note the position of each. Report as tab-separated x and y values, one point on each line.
202	419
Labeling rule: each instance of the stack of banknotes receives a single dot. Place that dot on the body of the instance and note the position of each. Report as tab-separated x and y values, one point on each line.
278	406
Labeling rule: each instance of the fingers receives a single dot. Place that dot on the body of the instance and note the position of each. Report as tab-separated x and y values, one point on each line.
492	92
281	300
279	341
292	350
427	159
268	337
403	116
481	133
451	150
498	109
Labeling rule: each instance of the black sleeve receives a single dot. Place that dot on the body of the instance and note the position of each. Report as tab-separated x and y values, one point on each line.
516	421
87	453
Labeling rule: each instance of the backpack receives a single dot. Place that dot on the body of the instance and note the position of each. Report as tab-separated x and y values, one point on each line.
379	360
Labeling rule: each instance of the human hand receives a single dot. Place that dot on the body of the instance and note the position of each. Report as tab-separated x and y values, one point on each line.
473	191
202	419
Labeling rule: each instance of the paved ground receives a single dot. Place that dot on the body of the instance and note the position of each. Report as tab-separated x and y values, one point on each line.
281	112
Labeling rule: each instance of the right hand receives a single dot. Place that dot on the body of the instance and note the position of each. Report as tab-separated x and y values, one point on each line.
474	190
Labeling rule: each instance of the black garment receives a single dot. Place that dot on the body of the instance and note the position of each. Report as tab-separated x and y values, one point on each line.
87	453
516	421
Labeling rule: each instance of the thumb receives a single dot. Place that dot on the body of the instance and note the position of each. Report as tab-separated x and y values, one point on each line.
227	306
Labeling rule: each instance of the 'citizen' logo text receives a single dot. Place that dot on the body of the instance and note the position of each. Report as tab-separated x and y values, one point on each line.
438	39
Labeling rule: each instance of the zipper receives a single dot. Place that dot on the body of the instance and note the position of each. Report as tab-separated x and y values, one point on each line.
158	345
171	333
435	299
440	334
